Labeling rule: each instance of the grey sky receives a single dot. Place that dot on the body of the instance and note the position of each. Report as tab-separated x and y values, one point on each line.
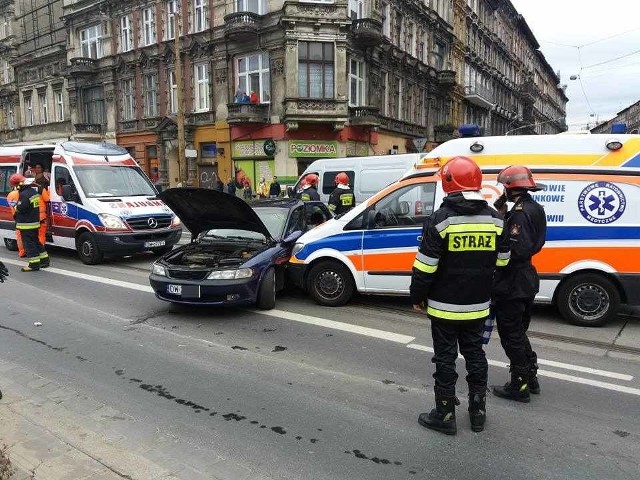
609	87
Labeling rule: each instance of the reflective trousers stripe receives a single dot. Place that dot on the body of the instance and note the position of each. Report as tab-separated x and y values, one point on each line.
475	315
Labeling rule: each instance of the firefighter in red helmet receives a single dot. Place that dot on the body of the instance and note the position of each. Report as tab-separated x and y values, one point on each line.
516	286
463	243
342	198
309	188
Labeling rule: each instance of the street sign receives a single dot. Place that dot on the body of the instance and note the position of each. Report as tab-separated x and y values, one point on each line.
419	143
190	153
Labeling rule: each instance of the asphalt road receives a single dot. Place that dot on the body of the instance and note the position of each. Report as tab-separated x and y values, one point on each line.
305	392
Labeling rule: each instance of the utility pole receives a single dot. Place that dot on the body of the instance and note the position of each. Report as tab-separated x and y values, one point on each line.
183	174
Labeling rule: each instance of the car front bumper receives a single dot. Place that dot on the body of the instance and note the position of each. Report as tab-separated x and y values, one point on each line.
205	292
128	243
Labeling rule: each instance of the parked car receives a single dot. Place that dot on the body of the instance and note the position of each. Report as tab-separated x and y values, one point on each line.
238	253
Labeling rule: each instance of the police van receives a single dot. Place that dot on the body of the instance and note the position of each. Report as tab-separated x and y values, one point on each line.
588	267
102	203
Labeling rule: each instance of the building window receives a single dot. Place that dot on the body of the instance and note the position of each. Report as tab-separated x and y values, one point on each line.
409	41
59	106
386	20
254	76
149	26
90	42
439	51
200	15
93	103
170	26
28	111
44	108
201	103
356	83
6	72
398	30
315	70
11	119
356	9
128	100
150	88
255	6
126	34
173	92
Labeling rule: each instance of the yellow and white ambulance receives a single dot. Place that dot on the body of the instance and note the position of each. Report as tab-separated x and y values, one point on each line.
589	265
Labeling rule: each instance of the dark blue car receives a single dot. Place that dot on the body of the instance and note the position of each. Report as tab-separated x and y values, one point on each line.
238	253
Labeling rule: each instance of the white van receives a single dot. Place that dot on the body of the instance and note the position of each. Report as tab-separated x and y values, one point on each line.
102	203
367	175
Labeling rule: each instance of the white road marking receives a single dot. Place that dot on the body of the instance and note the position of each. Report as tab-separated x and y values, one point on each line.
381	334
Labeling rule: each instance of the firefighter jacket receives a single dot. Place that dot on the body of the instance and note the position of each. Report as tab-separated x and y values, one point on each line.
27	209
44	201
463	243
526	226
341	200
308	193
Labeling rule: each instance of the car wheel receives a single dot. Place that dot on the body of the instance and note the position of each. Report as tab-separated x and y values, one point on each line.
88	250
588	300
11	244
267	292
330	284
162	250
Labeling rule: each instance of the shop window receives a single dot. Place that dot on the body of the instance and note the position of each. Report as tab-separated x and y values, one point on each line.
208	150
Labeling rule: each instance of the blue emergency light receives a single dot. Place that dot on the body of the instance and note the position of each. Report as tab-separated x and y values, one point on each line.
619	128
469	130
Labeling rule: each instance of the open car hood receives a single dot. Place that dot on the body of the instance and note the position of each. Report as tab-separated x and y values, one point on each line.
202	209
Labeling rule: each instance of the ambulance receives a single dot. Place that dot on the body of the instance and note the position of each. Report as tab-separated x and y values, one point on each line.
589	266
102	203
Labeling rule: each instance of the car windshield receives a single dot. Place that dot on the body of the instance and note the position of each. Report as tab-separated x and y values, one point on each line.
232	235
274	219
113	181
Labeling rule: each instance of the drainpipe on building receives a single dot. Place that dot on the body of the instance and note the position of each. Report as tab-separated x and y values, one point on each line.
182	161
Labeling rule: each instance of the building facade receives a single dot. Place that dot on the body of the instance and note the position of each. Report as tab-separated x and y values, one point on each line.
630	116
271	85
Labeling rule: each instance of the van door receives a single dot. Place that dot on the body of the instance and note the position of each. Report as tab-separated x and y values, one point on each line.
64	212
7	224
392	235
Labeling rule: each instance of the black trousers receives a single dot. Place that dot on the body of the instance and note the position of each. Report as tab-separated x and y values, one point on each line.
512	318
447	335
32	246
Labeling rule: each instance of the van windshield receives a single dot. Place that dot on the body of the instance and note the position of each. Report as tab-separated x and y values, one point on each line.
113	181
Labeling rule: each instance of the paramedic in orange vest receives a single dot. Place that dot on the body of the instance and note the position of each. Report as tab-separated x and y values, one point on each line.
12	200
44	209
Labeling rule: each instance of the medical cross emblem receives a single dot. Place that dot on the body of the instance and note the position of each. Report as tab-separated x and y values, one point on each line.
602	202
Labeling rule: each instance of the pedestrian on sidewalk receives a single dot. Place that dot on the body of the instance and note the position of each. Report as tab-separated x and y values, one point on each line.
515	287
463	242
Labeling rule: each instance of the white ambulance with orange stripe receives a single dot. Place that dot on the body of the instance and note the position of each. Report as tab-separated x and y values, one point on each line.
590	264
102	203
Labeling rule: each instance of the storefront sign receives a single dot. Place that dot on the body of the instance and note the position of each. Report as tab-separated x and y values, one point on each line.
269	147
312	149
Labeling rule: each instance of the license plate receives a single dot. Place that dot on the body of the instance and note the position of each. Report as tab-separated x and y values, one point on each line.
159	243
184	291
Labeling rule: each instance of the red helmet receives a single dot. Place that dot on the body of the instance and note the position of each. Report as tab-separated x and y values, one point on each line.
517	176
16	179
342	179
312	179
461	174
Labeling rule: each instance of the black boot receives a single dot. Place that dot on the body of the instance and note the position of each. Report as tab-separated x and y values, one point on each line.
534	385
45	262
517	389
477	411
443	417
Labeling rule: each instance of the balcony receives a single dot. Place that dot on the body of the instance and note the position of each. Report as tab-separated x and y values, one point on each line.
367	32
88	129
315	110
248	113
364	116
479	95
82	66
446	78
528	91
241	25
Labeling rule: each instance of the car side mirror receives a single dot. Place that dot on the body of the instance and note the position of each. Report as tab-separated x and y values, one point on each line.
292	237
371	219
290	192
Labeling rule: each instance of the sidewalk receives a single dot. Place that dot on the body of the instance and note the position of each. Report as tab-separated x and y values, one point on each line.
55	433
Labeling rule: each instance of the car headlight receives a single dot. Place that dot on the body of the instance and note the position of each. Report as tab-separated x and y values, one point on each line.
231	274
159	270
296	248
112	222
176	222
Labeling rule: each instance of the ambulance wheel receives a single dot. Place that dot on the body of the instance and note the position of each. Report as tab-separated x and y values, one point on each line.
88	250
11	244
588	300
330	284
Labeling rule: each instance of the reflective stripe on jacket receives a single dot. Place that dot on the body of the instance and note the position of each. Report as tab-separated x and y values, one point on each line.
27	209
